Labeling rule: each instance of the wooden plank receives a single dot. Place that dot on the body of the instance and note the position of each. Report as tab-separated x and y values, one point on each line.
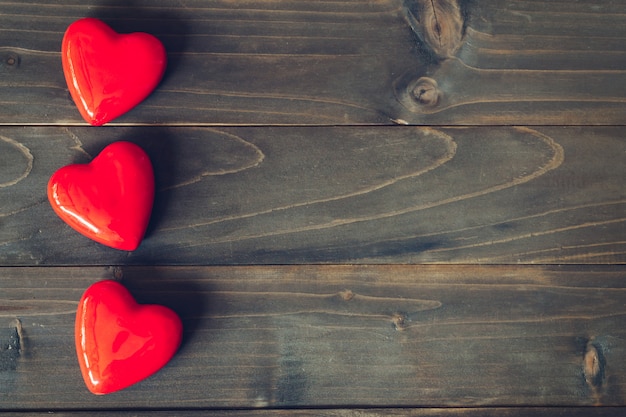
340	62
333	336
419	340
339	195
366	412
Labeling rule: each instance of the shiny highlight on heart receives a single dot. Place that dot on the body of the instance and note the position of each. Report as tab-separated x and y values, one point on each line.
120	342
108	200
108	73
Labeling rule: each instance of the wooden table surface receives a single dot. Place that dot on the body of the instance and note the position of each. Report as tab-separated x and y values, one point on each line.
364	208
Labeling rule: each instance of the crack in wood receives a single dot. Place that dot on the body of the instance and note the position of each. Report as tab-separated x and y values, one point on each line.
438	24
437	28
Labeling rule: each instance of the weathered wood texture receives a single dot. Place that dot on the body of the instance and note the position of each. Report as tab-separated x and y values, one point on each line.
341	195
340	185
340	62
311	336
361	412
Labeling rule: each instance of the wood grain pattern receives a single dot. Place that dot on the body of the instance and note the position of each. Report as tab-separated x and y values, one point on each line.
310	336
341	62
366	195
367	412
406	142
440	25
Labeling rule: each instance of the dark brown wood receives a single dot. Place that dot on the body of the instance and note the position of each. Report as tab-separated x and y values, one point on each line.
340	62
368	412
272	139
440	24
341	195
311	336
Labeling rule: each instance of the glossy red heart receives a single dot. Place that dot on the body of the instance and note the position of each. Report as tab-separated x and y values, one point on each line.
109	199
109	73
120	342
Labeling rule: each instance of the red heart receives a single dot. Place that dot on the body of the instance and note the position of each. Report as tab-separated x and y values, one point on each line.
120	342
108	200
109	73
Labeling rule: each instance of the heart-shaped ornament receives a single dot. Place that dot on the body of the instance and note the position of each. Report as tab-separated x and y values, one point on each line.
109	199
120	342
109	73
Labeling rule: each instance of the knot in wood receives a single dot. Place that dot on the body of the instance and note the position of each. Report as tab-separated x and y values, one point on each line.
593	366
399	321
439	24
346	295
11	60
426	92
118	273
